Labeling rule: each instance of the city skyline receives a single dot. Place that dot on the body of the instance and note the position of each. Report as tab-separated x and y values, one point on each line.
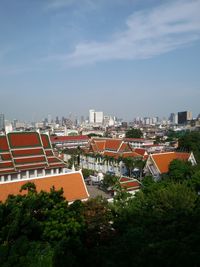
127	58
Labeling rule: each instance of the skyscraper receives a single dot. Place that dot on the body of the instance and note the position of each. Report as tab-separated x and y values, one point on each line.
91	116
184	116
2	122
95	117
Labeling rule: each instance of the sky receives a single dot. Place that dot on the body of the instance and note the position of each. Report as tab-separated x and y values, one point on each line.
127	58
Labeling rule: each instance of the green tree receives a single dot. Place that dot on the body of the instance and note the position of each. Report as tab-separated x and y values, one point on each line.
180	170
134	133
191	142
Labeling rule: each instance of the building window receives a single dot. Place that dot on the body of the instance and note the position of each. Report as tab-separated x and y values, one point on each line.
31	173
48	172
14	176
40	172
23	175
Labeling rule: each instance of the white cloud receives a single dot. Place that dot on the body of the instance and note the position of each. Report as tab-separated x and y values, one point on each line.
148	33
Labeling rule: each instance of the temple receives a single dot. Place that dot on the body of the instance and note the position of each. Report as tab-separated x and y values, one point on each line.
25	155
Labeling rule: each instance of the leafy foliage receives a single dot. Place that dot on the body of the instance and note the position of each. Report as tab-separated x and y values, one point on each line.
160	226
191	142
134	133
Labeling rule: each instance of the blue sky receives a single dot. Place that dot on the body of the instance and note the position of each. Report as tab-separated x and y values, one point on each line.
125	57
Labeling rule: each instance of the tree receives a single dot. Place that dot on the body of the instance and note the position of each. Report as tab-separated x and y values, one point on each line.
180	170
191	142
133	162
109	181
134	133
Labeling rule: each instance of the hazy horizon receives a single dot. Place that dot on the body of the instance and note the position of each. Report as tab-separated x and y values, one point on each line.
127	58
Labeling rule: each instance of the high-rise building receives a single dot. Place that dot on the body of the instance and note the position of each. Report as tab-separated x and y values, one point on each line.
99	117
95	117
2	122
173	118
49	119
91	116
184	116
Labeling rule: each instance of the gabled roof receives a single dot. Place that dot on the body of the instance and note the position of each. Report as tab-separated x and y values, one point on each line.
163	160
112	147
113	144
72	183
129	184
142	152
26	150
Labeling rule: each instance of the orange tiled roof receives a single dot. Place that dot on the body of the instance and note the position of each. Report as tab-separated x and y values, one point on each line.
113	144
100	145
163	160
72	183
125	147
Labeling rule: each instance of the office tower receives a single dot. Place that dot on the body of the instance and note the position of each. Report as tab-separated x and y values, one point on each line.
2	122
99	117
91	116
184	116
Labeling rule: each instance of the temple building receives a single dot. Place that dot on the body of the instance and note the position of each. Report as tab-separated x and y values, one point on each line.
25	155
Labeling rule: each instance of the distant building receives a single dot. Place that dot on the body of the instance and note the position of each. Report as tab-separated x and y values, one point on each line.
173	118
2	122
99	117
95	117
70	141
91	116
184	116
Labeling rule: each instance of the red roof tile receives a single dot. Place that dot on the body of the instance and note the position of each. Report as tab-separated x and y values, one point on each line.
27	152
55	139
4	165
32	166
30	160
129	183
45	141
72	183
24	139
3	144
49	152
5	156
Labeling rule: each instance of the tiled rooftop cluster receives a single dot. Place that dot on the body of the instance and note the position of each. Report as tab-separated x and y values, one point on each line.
25	151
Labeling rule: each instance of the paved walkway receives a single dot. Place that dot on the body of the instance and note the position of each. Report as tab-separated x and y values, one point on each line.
94	191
